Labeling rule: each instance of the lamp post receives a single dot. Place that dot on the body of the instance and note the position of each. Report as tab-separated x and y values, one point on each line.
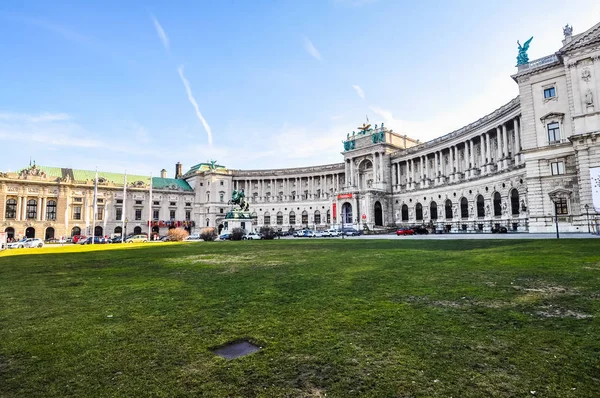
556	220
124	231
587	216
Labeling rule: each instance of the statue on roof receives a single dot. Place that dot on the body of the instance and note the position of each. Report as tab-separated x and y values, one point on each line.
568	31
212	164
522	58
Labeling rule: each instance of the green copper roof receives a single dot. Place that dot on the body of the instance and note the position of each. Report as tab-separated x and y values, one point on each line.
205	167
76	175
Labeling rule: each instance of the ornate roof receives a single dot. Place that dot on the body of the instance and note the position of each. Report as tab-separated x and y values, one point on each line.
590	36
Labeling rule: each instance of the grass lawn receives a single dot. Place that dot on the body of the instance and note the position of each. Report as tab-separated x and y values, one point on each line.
345	318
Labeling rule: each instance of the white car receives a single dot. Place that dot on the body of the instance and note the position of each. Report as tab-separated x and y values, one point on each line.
26	242
193	237
331	233
251	236
317	234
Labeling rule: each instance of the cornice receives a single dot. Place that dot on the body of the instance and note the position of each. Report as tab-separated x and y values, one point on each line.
336	167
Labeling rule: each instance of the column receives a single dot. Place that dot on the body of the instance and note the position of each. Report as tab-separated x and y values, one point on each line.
24	208
382	166
482	153
43	209
19	204
504	146
488	152
351	172
454	161
499	151
517	143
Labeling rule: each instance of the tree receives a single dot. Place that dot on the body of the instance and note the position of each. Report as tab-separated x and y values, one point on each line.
177	234
208	234
237	234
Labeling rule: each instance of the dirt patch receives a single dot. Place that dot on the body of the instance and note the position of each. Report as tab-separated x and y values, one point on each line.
557	312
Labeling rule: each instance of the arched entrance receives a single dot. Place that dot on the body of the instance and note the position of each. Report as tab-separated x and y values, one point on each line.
98	231
75	231
378	214
220	228
10	233
49	233
404	212
365	174
347	213
30	232
137	230
155	229
118	231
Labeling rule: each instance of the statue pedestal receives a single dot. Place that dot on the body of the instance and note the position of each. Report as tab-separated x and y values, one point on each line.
240	219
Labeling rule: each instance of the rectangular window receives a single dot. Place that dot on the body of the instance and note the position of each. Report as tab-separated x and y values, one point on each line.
561	206
267	220
156	203
188	204
172	203
77	200
100	213
279	219
221	211
553	133
550	92
188	215
138	214
77	213
172	214
119	211
99	200
304	219
155	214
138	202
221	182
557	168
51	210
119	201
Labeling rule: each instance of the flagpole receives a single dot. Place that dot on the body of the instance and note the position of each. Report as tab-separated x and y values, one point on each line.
150	210
124	211
95	206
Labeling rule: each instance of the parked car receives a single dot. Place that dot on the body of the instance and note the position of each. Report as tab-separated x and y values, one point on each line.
351	232
193	237
420	230
405	231
332	233
225	237
117	239
98	240
136	239
317	234
26	242
499	230
251	236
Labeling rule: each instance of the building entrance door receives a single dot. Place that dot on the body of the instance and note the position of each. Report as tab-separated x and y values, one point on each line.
378	214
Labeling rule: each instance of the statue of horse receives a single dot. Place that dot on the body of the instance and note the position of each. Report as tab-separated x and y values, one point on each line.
239	198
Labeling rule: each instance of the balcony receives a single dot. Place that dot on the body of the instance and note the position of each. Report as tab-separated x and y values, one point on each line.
550	59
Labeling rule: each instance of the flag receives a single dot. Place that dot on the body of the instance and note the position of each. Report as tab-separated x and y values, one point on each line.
150	209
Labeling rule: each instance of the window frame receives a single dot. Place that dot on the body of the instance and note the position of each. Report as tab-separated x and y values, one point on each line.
555	131
12	210
559	169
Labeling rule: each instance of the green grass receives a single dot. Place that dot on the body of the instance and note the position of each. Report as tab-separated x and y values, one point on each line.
352	318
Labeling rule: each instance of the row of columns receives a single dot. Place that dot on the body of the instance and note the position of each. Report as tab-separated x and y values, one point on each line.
378	161
292	187
471	166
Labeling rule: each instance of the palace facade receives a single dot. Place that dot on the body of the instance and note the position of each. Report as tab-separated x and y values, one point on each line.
519	167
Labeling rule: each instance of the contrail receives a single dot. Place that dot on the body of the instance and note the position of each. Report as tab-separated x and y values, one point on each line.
195	104
161	32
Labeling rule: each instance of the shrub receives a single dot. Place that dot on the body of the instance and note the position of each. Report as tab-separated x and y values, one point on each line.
177	234
208	234
267	232
237	234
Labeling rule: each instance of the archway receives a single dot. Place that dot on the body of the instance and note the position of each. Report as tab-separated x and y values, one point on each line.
155	229
378	214
118	231
137	230
514	202
30	232
365	174
464	208
98	231
404	212
419	212
220	228
347	213
480	206
75	231
10	233
433	210
497	204
448	209
49	233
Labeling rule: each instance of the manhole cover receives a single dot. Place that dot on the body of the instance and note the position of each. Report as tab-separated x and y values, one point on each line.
236	349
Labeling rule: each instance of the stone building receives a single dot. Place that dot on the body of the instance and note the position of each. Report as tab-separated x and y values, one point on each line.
516	167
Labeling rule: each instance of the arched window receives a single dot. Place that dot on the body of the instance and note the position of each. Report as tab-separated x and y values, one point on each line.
208	222
464	208
404	213
31	209
347	213
292	218
279	218
75	231
208	196
328	216
49	233
51	210
118	230
10	233
448	209
480	206
317	217
514	202
267	218
305	217
497	204
11	208
137	230
419	211
433	210
98	231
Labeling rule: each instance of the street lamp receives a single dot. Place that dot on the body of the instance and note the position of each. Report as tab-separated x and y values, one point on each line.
556	219
587	216
124	231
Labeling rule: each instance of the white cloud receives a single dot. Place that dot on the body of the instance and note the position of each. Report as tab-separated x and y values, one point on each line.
195	105
359	91
311	49
37	118
161	32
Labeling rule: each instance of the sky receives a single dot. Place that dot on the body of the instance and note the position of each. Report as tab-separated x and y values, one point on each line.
261	84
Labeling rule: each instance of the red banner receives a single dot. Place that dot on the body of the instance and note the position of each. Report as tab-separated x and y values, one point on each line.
334	211
345	196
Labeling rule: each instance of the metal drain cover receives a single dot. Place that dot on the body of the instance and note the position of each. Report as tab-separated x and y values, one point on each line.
236	349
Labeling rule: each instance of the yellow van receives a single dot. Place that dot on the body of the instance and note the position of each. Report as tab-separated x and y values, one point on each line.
136	239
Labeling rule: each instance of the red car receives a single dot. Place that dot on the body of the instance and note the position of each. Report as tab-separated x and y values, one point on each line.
79	238
405	231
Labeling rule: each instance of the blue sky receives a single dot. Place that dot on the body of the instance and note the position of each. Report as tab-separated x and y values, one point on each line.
139	86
